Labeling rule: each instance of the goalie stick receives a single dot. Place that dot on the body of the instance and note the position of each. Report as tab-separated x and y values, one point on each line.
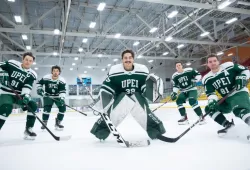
173	140
62	138
121	141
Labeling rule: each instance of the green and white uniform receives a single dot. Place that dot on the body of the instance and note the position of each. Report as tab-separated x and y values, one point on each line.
185	83
126	88
22	81
55	89
223	82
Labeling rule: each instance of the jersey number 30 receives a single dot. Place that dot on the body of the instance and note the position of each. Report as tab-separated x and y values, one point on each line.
130	91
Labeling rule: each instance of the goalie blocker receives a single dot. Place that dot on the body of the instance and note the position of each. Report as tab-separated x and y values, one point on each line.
119	106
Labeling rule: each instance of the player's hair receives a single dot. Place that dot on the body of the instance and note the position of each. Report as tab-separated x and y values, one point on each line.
29	54
177	62
212	55
128	51
56	67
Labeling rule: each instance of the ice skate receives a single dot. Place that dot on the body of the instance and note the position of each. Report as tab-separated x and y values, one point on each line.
183	121
29	134
58	125
224	131
202	120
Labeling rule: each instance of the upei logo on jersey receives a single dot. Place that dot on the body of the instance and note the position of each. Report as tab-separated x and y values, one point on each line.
130	83
21	77
224	81
53	86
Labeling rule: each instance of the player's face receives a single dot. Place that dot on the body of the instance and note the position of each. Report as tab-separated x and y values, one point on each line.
128	61
27	62
55	72
178	67
213	63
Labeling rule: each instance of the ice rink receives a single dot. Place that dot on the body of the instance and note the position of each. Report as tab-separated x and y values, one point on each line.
200	149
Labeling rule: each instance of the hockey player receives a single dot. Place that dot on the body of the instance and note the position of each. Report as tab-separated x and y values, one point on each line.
185	81
21	77
223	79
125	91
55	88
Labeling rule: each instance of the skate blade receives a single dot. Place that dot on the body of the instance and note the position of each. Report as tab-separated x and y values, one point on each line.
183	123
58	129
29	138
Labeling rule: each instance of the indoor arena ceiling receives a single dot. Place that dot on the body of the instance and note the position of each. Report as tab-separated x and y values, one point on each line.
155	29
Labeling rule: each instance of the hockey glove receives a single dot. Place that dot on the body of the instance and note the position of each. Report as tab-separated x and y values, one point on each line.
173	96
26	99
4	78
240	81
212	106
40	92
61	101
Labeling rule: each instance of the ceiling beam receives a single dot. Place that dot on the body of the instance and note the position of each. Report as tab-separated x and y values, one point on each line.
199	5
139	38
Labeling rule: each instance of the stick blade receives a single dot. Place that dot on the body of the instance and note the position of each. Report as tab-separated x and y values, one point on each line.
142	143
166	139
64	138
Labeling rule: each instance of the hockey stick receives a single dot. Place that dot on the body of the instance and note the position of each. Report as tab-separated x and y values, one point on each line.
161	105
114	131
62	138
67	106
173	140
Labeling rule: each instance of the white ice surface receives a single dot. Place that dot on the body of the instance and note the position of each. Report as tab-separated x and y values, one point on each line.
199	149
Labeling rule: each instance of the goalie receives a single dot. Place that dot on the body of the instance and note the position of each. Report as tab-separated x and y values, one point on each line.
125	91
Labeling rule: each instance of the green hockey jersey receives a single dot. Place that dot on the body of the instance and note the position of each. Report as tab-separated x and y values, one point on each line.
119	80
185	81
53	88
19	78
224	80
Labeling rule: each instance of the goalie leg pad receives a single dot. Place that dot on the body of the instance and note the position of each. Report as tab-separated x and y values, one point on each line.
143	115
104	101
117	112
154	87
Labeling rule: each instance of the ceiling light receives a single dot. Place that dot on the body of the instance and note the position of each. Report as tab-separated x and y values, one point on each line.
231	20
172	14
92	25
204	34
11	0
73	64
85	72
115	59
71	69
36	68
230	54
166	53
153	30
56	31
28	47
101	6
136	43
99	55
55	53
24	37
117	35
76	58
84	40
103	69
180	46
150	61
225	4
34	63
109	65
220	53
169	38
139	56
188	63
80	49
18	18
89	66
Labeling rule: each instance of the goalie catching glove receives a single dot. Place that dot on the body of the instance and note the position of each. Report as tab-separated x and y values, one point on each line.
154	87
